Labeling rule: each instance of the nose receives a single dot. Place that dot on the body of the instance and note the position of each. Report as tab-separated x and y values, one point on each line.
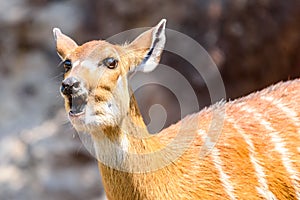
70	86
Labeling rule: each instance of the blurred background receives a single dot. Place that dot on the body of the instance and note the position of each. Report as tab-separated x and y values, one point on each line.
254	44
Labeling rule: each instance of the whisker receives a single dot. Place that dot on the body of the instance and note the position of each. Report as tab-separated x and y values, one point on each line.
57	76
59	64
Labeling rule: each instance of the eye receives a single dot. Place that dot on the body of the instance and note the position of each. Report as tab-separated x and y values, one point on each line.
110	62
67	65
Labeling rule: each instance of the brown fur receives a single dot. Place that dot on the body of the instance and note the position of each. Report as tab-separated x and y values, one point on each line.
191	175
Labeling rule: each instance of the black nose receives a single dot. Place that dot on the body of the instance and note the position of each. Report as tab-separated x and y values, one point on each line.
70	86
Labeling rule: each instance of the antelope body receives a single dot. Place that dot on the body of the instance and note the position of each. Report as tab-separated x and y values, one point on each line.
257	154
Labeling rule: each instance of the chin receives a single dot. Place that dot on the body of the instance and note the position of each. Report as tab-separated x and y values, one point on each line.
90	120
78	121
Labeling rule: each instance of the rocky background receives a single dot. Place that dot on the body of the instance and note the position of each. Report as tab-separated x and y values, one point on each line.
254	44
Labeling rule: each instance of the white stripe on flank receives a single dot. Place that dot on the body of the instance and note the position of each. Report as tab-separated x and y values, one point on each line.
223	176
280	147
263	187
218	164
291	114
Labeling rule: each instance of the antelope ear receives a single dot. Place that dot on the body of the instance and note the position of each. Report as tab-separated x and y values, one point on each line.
147	48
64	44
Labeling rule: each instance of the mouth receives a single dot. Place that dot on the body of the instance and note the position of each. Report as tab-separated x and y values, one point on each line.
77	104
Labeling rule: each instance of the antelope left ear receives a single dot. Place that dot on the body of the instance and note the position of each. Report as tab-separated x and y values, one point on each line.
148	48
64	44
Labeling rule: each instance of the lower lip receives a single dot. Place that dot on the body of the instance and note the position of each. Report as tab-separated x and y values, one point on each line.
71	114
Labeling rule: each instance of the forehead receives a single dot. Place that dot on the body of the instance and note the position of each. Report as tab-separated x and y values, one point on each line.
94	50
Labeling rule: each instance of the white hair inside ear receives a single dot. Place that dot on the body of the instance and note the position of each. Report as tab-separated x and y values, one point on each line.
158	40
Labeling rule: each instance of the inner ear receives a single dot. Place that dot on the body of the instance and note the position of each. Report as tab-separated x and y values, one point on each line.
64	44
148	48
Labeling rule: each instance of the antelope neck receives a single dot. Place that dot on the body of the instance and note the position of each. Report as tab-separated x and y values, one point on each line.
132	125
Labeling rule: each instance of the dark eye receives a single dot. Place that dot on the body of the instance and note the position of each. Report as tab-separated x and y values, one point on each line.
110	62
67	65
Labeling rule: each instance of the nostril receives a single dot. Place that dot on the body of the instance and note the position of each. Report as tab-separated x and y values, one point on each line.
63	85
66	89
76	85
70	85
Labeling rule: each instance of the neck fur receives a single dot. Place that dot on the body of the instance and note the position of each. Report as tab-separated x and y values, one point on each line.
118	147
128	154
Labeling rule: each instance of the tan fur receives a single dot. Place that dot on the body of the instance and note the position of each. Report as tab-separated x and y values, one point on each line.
246	147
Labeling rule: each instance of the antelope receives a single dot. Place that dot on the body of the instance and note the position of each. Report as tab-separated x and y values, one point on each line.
256	155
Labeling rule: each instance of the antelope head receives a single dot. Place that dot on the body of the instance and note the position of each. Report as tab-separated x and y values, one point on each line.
95	85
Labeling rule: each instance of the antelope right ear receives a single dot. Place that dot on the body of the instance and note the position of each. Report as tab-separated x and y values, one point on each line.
148	48
64	44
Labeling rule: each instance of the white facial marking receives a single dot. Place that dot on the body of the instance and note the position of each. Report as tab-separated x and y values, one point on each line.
91	65
76	63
